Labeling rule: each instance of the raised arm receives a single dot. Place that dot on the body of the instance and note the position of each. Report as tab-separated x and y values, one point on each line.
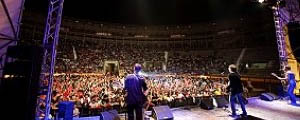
280	78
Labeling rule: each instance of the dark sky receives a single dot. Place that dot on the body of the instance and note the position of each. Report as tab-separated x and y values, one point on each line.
151	11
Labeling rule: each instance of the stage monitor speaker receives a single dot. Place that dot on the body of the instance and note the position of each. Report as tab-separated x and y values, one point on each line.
65	110
294	37
109	115
275	97
266	97
269	96
87	118
207	104
221	101
163	113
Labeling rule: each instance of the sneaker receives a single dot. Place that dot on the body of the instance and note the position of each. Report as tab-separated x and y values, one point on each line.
295	104
234	116
244	115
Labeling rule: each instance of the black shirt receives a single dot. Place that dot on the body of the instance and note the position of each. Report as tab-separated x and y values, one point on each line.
235	83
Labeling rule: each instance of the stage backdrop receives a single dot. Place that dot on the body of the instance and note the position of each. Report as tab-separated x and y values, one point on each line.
292	60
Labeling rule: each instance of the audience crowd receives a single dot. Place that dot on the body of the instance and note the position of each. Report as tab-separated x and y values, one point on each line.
90	57
93	93
175	77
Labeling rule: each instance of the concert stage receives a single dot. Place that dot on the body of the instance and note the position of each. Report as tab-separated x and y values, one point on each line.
257	110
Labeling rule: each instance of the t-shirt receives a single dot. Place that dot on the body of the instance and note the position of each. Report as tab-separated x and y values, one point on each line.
134	86
235	83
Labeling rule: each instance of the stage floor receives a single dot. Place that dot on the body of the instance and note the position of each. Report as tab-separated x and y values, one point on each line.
257	109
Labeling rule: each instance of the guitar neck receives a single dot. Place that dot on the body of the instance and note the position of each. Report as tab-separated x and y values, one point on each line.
275	75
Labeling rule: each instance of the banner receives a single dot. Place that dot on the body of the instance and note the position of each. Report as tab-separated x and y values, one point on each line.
292	61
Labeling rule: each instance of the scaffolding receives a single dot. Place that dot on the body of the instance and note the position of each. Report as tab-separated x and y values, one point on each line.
50	41
284	12
278	21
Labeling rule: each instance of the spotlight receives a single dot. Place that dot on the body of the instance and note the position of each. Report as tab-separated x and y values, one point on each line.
272	3
261	1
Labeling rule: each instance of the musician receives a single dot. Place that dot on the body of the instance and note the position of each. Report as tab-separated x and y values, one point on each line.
290	79
236	89
136	89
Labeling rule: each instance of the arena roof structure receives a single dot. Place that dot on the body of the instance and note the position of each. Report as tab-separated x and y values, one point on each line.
154	11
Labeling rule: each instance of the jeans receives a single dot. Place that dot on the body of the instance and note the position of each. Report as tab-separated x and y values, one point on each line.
138	111
291	94
232	100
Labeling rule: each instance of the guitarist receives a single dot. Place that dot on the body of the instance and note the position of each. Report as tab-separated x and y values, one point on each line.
136	90
282	89
236	89
290	79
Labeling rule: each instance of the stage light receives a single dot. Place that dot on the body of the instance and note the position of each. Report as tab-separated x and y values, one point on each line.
261	1
7	76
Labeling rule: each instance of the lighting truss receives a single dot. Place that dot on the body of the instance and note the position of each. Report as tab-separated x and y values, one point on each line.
50	41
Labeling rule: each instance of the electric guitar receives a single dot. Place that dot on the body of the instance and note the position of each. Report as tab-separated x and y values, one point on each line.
283	82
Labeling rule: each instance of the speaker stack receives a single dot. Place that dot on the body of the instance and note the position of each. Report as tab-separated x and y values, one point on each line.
20	81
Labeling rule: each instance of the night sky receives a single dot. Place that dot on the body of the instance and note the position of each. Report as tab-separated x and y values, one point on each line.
151	11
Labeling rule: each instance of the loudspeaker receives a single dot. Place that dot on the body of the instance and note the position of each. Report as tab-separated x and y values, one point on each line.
221	101
18	94
20	84
268	96
109	115
87	118
24	52
65	110
207	104
18	68
294	37
163	113
25	61
275	97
